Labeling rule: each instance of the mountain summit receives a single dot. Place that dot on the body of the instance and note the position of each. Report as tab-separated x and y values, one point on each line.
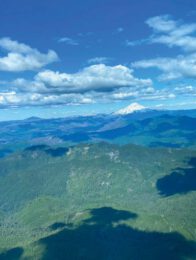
130	109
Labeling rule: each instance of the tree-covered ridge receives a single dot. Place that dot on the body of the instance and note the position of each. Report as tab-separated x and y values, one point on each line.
43	186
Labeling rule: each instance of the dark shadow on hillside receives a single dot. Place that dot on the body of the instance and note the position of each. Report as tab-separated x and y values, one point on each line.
57	225
55	152
182	180
5	152
107	215
12	254
104	236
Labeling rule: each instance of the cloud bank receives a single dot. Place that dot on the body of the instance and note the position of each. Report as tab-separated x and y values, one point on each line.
93	83
98	82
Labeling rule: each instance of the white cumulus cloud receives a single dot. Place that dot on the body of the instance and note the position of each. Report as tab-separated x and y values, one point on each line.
68	41
173	33
95	77
99	60
172	68
21	57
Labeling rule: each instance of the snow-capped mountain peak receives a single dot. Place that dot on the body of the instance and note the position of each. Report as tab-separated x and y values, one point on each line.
130	109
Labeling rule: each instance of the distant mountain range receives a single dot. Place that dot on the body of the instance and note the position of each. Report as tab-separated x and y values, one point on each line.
157	128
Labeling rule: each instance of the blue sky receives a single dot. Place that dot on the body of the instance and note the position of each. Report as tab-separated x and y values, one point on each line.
61	58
